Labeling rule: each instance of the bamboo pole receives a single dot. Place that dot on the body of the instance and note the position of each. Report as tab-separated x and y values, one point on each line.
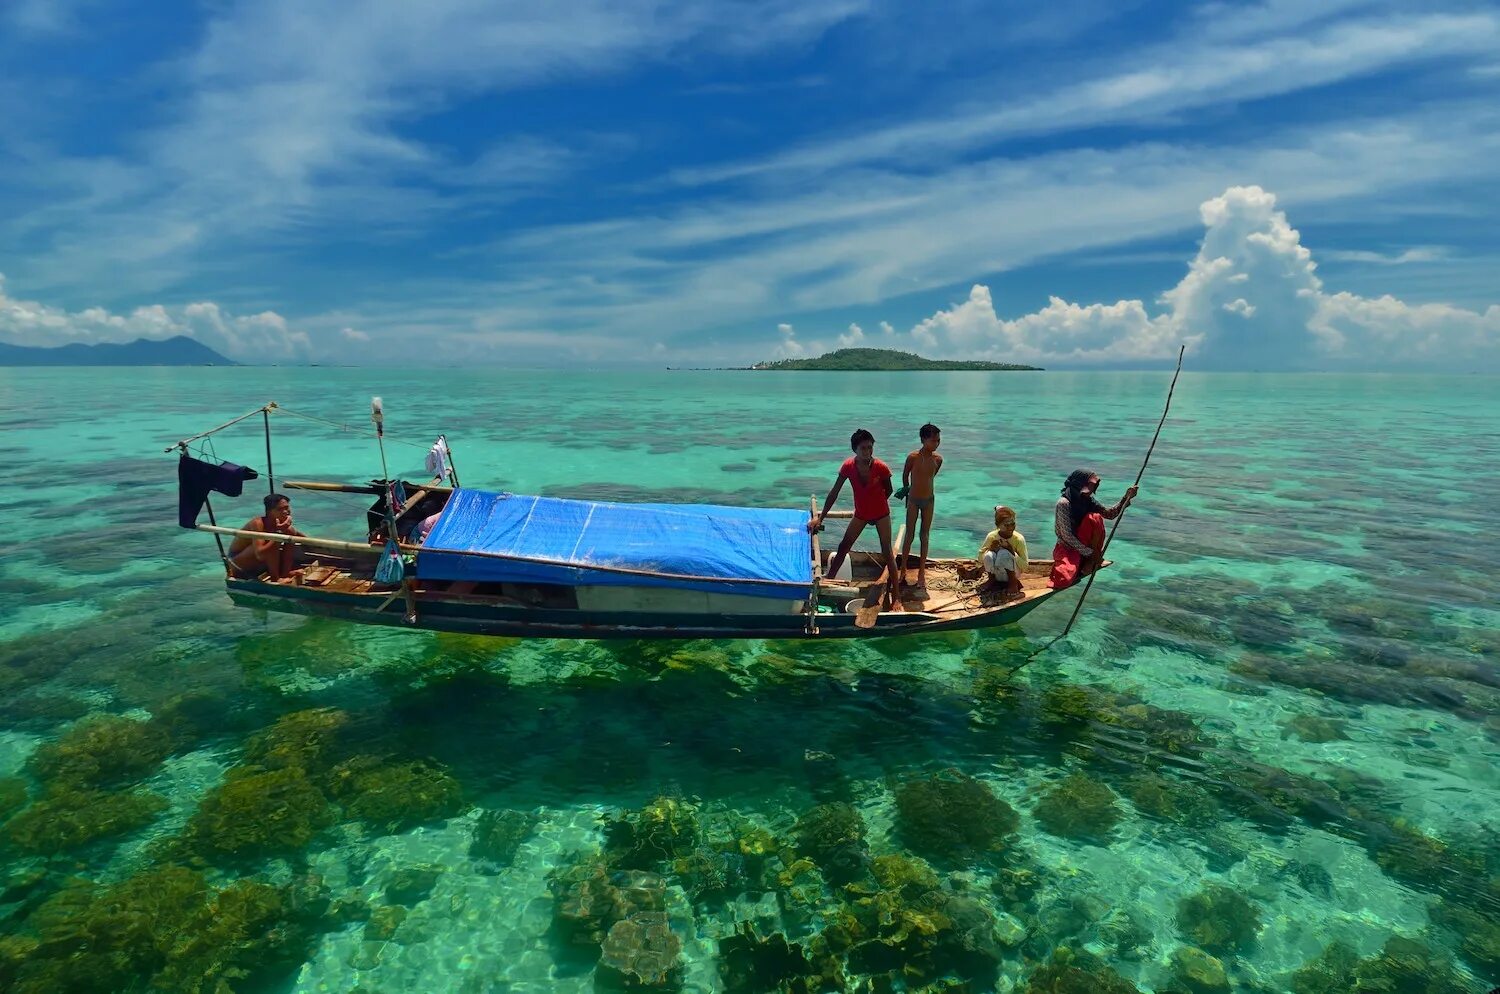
205	434
1110	537
333	545
336	488
353	488
817	573
265	413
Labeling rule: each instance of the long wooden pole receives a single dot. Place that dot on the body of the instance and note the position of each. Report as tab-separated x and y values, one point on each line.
1114	527
205	434
817	573
333	545
265	413
351	488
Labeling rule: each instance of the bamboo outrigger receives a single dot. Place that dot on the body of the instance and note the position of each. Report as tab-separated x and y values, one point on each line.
630	580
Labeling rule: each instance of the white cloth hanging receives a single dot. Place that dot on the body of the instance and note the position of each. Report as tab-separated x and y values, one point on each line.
438	459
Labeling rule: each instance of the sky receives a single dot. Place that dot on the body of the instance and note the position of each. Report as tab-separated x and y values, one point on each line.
582	183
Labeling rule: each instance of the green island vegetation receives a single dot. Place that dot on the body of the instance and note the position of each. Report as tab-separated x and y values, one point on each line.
884	360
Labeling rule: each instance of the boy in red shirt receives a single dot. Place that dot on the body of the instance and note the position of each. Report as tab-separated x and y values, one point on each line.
870	479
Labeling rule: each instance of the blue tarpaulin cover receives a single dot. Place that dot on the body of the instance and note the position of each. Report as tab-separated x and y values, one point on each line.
511	537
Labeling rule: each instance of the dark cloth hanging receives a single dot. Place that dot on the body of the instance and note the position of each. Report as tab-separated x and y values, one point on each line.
195	478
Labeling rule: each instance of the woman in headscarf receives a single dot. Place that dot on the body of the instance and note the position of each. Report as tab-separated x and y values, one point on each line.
1079	524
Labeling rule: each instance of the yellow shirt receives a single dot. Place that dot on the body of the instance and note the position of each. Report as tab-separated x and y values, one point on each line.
1017	545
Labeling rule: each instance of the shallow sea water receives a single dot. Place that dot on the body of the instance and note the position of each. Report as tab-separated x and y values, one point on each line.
1267	759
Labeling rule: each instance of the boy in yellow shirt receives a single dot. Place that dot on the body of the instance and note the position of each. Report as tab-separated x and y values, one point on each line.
1003	553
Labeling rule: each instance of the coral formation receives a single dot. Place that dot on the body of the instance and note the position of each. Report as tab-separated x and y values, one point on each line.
498	835
383	923
588	899
1198	972
1069	704
395	796
663	830
67	818
750	964
100	751
1477	931
1218	919
833	836
165	930
259	812
902	873
950	815
411	884
1079	808
13	795
1403	966
1174	800
304	740
710	874
641	953
1070	972
1314	728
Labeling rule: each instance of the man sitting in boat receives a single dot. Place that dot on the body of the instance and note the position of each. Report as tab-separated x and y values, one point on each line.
1003	554
1079	522
253	556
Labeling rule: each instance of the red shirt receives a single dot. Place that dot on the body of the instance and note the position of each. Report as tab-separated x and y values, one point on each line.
869	498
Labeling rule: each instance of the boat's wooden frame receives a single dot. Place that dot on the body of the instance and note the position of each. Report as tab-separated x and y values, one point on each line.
343	585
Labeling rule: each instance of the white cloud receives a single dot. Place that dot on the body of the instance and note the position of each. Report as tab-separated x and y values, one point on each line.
1251	299
1385	329
1418	253
789	348
1150	84
851	338
293	114
263	337
43	16
353	335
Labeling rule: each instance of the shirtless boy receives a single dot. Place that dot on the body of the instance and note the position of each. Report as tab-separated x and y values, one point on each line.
870	479
917	475
249	556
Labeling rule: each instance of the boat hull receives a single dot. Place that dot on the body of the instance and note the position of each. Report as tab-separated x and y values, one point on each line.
444	615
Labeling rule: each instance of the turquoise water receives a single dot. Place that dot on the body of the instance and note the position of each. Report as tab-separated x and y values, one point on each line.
1267	759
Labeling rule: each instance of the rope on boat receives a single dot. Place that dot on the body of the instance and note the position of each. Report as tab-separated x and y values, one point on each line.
204	434
341	426
1113	527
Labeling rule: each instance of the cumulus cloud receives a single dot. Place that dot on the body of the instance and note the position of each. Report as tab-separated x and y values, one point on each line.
353	335
789	348
1251	299
263	337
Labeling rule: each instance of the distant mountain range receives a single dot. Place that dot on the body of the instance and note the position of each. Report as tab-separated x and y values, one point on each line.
864	360
178	351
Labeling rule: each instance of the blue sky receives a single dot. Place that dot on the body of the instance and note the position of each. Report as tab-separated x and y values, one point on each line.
608	183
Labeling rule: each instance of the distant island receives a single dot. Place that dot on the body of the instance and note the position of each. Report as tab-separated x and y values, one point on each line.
873	360
177	351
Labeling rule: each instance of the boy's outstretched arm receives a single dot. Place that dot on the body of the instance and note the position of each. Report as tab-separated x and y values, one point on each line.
833	495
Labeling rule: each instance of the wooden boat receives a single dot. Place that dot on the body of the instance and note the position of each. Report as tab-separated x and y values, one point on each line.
340	582
517	565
